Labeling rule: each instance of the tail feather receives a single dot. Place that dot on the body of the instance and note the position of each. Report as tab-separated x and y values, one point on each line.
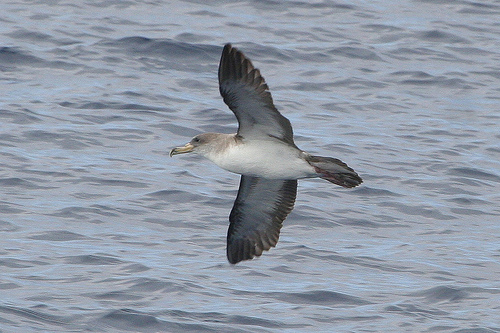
335	171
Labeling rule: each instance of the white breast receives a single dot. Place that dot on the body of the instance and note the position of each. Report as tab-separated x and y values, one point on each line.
262	158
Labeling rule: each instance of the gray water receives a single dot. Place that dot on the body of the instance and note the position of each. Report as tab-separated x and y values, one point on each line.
102	232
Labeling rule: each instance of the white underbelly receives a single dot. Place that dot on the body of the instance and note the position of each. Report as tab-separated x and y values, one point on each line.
262	159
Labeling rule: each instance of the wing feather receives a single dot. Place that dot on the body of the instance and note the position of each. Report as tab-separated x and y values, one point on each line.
257	216
246	93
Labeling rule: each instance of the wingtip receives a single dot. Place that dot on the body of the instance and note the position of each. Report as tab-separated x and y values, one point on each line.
236	254
240	252
228	47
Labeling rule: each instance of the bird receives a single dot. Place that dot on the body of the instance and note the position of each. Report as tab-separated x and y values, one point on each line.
263	152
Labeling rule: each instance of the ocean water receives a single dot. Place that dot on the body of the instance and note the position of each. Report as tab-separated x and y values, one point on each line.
101	231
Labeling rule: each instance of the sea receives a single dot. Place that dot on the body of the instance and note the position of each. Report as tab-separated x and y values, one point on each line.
101	231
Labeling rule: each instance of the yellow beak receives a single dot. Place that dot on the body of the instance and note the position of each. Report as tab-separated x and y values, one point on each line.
188	147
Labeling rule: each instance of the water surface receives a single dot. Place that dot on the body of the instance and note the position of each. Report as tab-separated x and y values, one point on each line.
102	232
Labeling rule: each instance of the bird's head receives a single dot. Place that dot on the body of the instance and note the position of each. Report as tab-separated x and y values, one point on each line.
201	144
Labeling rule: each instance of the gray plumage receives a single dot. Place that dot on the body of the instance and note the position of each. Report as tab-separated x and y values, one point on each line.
257	216
247	95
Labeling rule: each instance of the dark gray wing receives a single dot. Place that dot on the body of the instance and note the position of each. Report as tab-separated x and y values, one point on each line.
257	216
247	95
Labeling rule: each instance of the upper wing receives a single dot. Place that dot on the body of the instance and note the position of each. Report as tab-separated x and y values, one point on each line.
247	95
257	216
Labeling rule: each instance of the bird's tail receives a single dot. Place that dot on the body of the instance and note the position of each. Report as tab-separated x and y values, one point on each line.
335	171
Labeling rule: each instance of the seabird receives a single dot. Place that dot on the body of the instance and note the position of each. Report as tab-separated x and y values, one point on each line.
264	154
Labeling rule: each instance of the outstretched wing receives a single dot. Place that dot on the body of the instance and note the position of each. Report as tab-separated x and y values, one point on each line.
247	95
257	216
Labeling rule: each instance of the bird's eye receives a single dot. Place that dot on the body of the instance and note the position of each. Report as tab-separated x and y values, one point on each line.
196	139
